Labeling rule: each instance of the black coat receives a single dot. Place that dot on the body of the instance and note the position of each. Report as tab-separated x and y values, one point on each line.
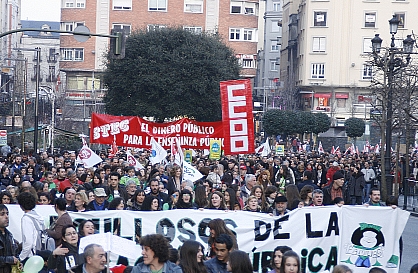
59	262
327	195
356	184
8	250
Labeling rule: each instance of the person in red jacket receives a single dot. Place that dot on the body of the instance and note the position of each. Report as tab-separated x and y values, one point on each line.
330	173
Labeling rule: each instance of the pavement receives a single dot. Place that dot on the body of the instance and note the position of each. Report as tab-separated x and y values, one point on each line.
412	204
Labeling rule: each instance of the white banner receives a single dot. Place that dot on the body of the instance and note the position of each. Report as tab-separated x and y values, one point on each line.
357	236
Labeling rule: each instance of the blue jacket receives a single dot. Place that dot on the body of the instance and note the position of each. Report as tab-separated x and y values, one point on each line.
169	267
215	266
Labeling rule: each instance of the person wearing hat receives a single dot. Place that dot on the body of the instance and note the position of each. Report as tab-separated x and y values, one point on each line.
331	171
99	202
336	189
280	206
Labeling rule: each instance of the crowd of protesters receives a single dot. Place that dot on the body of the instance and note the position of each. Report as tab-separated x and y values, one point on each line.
273	184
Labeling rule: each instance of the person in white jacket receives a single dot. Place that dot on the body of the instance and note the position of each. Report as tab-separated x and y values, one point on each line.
31	223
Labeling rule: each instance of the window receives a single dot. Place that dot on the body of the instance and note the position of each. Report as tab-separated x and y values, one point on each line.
275	45
51	75
276	6
122	4
155	27
248	63
318	44
126	28
70	26
157	5
74	4
367	72
341	103
242	34
193	6
367	45
248	34
196	30
320	18
401	18
243	7
370	19
273	65
318	71
72	54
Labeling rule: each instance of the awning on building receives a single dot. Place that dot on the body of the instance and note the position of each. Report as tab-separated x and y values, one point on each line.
322	95
341	95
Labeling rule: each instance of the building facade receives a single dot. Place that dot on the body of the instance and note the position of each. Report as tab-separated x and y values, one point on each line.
326	48
236	21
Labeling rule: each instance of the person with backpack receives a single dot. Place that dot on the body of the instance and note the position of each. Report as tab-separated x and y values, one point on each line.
31	225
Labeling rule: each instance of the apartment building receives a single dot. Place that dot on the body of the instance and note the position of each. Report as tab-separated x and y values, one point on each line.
325	49
236	22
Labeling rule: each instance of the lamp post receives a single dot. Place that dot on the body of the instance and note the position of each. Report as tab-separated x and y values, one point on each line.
389	63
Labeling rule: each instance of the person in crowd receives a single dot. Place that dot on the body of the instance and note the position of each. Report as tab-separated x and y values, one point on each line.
374	199
377	270
16	180
217	201
276	260
414	268
86	228
341	269
70	182
222	245
284	177
356	184
231	202
185	200
8	245
320	175
69	195
218	226
306	195
99	202
130	187
192	257
96	182
307	179
150	203
264	179
6	197
331	171
250	182
270	193
317	198
290	262
258	191
252	204
80	203
30	224
64	219
174	180
14	191
135	203
239	262
115	189
162	197
155	253
94	260
369	176
280	208
44	198
129	175
336	189
65	256
5	178
201	197
293	196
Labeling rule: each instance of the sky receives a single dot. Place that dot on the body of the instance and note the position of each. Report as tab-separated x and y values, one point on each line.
41	10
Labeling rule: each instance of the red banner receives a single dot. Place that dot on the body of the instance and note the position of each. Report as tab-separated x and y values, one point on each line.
137	132
237	116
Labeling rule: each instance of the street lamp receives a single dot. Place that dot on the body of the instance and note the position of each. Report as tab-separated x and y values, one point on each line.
388	62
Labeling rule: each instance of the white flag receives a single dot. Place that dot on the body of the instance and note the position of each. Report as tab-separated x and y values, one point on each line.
264	149
157	152
132	161
320	148
190	173
88	157
177	152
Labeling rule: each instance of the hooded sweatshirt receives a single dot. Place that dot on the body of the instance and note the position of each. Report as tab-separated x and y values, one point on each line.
30	233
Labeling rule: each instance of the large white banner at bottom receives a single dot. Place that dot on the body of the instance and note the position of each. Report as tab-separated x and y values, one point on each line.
357	236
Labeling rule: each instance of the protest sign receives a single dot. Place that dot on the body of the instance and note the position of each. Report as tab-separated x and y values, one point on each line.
356	236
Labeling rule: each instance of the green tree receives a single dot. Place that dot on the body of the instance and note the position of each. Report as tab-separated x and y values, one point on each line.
322	123
169	73
354	127
278	122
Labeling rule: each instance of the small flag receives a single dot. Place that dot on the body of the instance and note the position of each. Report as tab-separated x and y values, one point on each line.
132	161
190	172
157	152
114	149
320	148
177	152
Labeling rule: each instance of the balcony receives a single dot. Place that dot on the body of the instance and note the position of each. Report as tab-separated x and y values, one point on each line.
52	59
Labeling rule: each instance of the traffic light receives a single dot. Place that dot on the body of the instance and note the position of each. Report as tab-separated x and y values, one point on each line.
117	44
